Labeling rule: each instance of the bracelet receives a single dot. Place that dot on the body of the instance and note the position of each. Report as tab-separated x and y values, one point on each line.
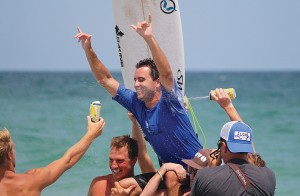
162	179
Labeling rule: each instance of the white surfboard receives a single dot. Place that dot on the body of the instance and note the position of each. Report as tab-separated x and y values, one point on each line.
167	29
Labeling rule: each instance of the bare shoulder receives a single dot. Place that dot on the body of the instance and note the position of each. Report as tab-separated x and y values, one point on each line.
105	178
18	184
101	185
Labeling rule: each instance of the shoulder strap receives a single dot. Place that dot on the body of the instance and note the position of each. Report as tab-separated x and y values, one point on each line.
242	178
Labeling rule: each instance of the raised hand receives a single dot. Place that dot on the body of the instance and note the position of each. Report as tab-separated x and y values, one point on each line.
95	129
131	117
221	97
84	38
177	168
144	28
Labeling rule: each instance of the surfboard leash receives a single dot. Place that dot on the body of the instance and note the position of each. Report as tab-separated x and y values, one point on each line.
196	122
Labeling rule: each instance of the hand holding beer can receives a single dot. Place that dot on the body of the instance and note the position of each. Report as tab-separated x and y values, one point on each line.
230	91
95	109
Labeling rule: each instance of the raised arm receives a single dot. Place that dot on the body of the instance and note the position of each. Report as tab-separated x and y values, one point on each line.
152	186
144	29
43	177
101	73
145	162
225	102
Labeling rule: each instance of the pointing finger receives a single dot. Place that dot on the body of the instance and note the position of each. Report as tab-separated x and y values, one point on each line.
150	19
134	27
79	30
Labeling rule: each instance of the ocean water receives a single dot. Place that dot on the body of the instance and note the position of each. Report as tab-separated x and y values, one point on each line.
46	114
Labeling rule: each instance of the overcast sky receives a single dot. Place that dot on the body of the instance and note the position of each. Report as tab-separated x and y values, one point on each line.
219	35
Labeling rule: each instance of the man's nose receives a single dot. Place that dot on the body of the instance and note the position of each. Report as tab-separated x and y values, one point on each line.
136	83
114	164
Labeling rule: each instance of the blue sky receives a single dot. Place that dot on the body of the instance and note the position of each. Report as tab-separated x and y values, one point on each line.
218	35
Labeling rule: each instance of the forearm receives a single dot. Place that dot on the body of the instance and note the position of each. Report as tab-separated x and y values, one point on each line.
145	163
144	160
99	70
158	55
74	154
154	182
161	61
152	186
101	73
47	175
55	169
232	113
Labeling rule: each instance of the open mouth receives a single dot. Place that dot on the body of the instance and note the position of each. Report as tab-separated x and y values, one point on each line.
115	171
139	90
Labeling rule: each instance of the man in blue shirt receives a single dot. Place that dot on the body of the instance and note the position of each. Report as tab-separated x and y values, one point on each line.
157	103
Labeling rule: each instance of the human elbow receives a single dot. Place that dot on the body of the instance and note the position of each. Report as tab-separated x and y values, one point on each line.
104	82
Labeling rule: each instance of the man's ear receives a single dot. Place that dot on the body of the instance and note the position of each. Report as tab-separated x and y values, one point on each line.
158	84
133	161
226	147
9	155
158	81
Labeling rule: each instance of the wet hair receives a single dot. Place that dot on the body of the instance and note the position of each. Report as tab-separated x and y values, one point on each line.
257	160
149	63
126	141
5	144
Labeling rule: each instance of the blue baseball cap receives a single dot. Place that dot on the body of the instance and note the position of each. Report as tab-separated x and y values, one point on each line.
238	136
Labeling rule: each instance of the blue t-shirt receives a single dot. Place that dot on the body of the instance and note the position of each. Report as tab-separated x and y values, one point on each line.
166	126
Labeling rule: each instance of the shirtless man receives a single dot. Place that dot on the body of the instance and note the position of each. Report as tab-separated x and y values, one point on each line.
35	180
124	152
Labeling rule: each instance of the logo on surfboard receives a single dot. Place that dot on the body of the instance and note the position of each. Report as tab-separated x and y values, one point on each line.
119	34
167	6
180	79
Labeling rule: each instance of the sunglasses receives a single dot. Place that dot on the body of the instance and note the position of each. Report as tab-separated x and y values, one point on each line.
215	153
191	170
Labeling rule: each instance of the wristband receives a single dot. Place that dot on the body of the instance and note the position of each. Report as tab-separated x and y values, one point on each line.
162	179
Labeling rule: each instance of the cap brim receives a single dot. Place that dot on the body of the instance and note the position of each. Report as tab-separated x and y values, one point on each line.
191	163
237	147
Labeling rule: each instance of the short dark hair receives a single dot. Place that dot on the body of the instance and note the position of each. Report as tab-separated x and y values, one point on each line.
149	63
126	141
